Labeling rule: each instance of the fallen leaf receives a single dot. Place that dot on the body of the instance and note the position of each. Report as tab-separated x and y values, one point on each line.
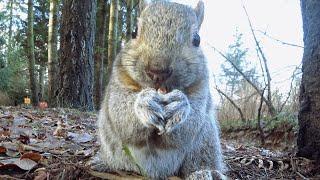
9	167
60	130
8	160
31	155
86	152
25	164
5	133
241	148
31	148
24	139
9	177
3	150
29	116
18	121
41	174
57	152
80	138
12	153
6	116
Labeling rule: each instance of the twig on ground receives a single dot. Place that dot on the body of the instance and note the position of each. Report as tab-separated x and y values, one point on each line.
302	176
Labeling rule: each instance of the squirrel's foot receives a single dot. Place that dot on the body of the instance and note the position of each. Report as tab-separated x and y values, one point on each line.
206	175
96	164
149	110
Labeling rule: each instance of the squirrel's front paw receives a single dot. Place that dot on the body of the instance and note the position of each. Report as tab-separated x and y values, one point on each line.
176	110
149	110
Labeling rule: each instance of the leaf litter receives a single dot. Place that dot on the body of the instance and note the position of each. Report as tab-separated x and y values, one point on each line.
58	143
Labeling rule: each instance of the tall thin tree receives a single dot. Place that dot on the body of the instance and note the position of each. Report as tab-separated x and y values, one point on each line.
11	2
31	56
76	61
112	37
99	55
52	51
129	19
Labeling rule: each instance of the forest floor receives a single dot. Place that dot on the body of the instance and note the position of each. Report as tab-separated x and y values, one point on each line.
57	144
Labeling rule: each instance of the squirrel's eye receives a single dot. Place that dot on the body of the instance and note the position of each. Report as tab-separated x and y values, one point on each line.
196	40
134	33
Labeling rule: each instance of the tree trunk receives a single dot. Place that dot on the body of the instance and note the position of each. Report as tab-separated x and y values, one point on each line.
129	19
120	22
112	37
52	52
99	50
309	114
10	29
41	82
31	57
76	62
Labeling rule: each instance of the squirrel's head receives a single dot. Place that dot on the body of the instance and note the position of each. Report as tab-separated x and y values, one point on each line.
166	52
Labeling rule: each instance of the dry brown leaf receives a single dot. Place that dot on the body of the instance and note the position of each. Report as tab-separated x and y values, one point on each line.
7	116
5	133
31	155
3	150
24	139
60	130
241	148
41	174
7	177
29	116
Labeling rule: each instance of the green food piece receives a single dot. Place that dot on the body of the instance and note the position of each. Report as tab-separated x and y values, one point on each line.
127	151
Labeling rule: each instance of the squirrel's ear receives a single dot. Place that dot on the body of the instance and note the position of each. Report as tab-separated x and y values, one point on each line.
200	12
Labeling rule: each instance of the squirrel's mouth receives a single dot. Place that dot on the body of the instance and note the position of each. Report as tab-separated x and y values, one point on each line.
162	87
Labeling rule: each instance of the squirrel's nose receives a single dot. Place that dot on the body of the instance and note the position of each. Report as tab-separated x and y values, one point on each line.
159	75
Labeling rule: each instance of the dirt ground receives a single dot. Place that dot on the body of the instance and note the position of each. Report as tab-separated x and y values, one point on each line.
57	144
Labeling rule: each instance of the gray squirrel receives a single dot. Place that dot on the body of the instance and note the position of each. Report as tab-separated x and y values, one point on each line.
157	104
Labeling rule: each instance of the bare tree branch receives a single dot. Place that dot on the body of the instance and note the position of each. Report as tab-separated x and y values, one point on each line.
291	85
269	104
261	66
278	40
134	6
263	58
124	2
233	103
